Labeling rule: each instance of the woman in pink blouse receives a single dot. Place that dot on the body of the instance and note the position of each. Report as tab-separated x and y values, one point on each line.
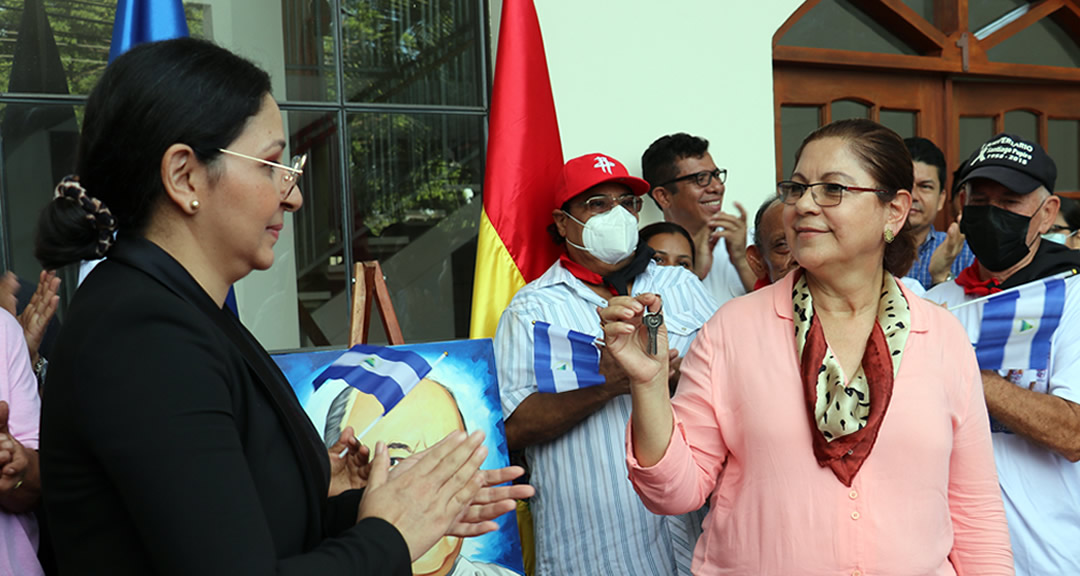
834	421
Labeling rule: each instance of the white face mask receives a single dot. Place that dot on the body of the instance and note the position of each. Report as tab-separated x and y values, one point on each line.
610	237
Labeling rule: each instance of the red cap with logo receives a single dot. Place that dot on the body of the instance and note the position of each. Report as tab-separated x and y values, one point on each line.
584	172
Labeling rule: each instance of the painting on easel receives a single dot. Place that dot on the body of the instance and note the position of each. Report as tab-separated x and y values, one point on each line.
460	393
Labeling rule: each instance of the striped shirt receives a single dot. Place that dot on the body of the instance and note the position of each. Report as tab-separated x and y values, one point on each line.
920	269
587	518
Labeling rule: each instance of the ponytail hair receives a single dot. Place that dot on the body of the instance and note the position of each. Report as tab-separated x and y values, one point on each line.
181	91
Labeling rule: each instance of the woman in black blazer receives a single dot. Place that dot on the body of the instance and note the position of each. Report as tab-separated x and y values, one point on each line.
171	443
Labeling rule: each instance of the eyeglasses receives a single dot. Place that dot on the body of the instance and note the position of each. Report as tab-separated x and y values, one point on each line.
599	204
702	178
1059	229
290	173
830	194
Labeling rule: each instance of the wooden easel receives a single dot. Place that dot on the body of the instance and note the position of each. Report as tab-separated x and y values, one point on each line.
370	284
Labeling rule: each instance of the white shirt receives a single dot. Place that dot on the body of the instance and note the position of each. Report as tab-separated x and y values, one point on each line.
1040	488
723	280
587	516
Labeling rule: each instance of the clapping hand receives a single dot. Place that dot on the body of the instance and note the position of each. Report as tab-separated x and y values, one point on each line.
440	491
732	229
37	314
14	461
349	463
945	254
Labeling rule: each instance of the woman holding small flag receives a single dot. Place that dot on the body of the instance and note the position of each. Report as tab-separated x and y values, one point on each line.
170	442
835	422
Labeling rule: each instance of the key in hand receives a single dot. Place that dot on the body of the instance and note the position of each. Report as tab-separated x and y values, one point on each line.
652	322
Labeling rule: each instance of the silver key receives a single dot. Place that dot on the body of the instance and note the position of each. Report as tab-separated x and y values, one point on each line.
652	322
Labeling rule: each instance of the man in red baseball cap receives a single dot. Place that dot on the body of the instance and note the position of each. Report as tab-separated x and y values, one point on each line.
587	517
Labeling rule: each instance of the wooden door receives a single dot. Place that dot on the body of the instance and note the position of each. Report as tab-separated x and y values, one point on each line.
909	103
1045	112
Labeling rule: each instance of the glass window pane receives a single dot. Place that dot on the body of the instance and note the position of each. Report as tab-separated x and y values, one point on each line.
416	182
982	13
924	8
318	251
903	122
1043	43
38	149
1063	145
974	131
845	109
80	34
310	67
817	29
1022	123
796	123
418	52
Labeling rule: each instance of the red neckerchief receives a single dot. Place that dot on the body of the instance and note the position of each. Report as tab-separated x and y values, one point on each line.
761	283
845	455
584	274
973	286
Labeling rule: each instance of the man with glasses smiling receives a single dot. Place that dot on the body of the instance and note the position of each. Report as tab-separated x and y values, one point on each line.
688	187
587	518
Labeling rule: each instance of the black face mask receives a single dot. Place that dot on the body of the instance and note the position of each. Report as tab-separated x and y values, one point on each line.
997	237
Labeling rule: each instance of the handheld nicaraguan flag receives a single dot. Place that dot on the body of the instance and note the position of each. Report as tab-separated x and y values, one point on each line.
385	373
564	360
1017	325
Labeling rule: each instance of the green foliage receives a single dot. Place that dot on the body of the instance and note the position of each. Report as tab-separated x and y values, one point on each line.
82	30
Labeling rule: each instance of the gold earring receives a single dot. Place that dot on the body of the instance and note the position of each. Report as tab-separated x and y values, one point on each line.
889	236
194	205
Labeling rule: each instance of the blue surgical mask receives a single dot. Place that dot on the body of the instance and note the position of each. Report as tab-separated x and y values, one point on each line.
1055	237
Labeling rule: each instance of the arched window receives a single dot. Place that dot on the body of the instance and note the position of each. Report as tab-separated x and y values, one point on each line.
953	71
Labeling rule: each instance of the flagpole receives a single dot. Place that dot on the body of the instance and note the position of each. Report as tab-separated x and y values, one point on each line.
1062	275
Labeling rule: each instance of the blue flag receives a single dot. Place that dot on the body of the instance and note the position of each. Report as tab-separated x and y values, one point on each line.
564	360
1017	325
385	373
140	21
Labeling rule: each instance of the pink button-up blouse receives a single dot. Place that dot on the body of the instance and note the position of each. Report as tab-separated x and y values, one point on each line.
926	500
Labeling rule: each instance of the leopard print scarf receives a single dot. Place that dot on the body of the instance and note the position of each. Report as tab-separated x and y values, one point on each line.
845	415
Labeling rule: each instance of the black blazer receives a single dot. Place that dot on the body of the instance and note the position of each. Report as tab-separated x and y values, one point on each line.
172	444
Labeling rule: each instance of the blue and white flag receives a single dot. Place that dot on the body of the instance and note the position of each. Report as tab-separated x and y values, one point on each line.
385	373
1016	325
564	360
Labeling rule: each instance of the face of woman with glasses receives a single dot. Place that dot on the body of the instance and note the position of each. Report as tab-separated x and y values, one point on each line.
244	209
847	233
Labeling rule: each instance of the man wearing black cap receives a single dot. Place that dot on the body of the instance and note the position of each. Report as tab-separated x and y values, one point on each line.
587	517
1006	190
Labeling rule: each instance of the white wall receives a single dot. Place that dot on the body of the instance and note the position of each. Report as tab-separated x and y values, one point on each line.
267	300
625	72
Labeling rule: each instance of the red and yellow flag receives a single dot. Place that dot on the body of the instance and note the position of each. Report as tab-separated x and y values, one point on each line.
524	158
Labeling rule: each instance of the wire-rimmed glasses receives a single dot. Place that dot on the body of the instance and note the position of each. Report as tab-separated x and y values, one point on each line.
290	173
830	193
